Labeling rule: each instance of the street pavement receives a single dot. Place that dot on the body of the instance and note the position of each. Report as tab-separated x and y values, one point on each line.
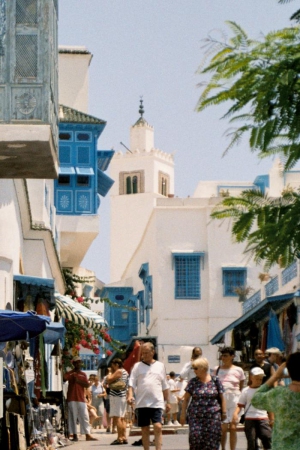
178	441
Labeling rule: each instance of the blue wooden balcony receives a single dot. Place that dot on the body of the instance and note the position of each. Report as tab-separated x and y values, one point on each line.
28	89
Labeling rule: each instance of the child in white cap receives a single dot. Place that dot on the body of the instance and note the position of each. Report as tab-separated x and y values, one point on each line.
257	423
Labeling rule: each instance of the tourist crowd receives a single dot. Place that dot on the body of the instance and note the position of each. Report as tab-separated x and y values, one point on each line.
214	402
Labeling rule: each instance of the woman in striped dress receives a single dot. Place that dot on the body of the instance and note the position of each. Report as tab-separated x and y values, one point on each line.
118	381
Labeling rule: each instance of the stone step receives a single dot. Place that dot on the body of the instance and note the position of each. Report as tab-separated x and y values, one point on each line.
136	431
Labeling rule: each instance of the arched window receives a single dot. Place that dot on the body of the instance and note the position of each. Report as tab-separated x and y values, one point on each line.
135	185
164	186
163	183
131	182
128	185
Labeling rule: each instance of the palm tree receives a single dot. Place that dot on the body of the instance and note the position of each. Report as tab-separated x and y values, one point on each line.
296	15
270	226
260	80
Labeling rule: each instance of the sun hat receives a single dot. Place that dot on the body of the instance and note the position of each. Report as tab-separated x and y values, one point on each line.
273	350
77	358
257	371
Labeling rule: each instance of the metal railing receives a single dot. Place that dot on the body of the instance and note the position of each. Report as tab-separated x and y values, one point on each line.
289	273
252	301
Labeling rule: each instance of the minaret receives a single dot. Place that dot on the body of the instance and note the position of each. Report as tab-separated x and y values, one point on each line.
141	133
142	174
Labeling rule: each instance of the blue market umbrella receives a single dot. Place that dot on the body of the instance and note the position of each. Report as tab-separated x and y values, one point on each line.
16	326
274	334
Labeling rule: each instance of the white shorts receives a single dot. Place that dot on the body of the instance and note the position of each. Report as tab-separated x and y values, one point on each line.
118	406
231	398
174	408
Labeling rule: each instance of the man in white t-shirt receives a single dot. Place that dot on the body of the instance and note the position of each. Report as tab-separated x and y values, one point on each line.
148	385
187	370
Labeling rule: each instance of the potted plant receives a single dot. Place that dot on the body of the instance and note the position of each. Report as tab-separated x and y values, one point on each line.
243	292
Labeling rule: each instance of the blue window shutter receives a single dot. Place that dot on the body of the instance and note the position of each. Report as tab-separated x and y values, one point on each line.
232	278
148	292
187	276
104	183
133	317
141	306
103	158
65	154
83	155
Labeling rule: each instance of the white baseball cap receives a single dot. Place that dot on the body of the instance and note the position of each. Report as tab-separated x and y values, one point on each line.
257	371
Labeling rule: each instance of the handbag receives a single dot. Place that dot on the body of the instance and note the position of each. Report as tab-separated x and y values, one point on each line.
242	419
118	385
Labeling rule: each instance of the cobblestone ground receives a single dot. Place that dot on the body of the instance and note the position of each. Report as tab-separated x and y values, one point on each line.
170	441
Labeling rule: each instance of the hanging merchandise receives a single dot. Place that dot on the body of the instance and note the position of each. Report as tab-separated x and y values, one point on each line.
274	338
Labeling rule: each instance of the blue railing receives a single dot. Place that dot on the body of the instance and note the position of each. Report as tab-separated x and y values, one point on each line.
252	301
289	273
271	287
90	362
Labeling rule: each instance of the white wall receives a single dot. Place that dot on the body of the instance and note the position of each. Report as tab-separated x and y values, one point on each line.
73	77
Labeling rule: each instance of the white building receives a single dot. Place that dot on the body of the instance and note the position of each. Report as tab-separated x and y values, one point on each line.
170	259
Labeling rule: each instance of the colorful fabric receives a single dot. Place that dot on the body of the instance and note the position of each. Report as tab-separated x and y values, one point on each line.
204	414
286	406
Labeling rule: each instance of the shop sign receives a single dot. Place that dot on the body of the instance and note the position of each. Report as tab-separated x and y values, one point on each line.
173	358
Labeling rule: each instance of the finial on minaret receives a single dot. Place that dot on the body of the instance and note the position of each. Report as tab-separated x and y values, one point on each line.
141	110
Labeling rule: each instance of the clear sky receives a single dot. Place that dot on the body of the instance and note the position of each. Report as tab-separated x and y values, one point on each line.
152	48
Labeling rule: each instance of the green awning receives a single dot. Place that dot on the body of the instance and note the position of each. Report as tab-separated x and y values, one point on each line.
70	309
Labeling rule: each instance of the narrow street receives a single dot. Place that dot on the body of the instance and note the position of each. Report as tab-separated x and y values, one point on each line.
178	441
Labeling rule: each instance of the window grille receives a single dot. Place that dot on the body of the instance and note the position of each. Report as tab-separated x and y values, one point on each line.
187	276
26	56
233	278
26	12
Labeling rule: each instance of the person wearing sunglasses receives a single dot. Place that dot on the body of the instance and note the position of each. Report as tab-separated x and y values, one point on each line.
206	407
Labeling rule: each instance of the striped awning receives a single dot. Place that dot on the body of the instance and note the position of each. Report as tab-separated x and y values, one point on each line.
70	309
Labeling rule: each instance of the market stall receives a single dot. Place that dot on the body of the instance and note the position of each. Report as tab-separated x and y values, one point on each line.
274	322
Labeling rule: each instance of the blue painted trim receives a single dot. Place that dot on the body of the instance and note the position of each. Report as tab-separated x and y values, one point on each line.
232	269
104	158
200	254
144	271
35	281
104	183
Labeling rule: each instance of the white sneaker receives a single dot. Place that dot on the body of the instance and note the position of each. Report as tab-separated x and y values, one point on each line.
169	424
176	423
